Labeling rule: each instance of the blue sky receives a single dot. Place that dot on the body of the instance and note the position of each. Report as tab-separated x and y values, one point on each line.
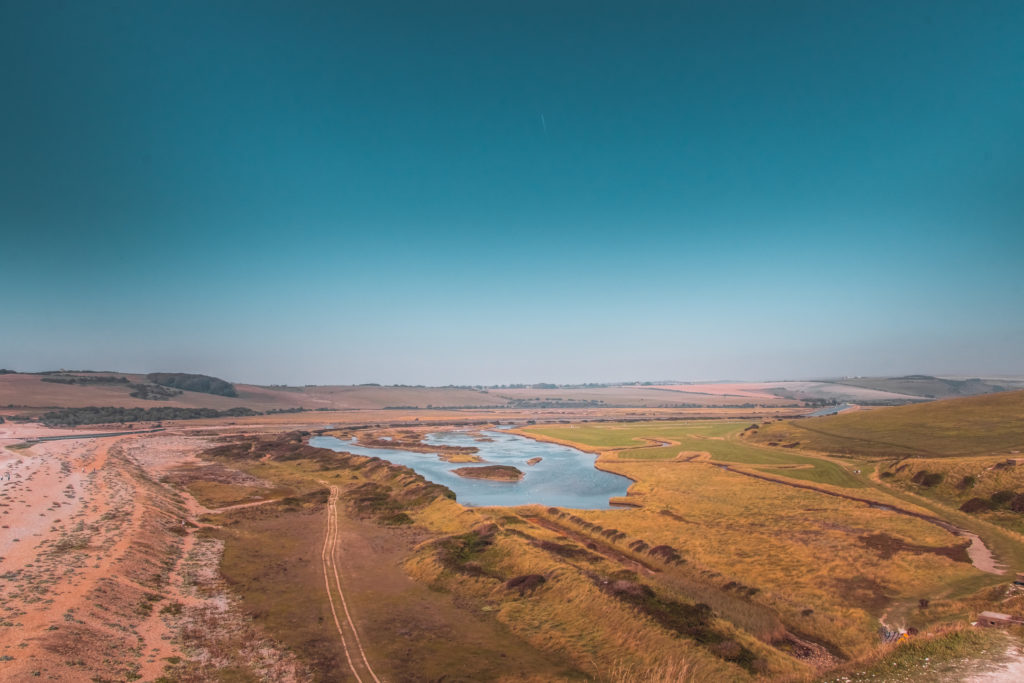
512	191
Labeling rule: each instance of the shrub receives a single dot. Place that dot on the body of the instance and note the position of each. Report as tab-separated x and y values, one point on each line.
1002	498
932	479
1017	504
976	505
397	519
966	483
524	583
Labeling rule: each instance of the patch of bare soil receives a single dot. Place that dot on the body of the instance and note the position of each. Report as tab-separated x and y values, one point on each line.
185	474
807	650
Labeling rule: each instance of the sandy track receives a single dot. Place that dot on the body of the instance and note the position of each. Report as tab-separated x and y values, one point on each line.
347	631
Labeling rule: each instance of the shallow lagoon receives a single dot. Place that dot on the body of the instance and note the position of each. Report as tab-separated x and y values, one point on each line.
565	478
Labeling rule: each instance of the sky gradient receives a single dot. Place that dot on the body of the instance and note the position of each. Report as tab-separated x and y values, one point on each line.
408	192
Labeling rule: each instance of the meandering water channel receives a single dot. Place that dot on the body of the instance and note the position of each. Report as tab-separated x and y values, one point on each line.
565	477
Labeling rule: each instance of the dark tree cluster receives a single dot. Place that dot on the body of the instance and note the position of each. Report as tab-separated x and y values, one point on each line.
70	417
85	379
203	384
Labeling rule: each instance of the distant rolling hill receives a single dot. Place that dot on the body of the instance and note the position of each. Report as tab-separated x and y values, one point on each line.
19	391
927	386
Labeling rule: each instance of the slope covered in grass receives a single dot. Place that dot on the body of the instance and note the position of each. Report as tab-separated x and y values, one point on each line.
977	425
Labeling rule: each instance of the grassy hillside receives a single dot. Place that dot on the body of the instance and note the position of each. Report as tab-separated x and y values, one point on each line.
978	425
827	566
986	487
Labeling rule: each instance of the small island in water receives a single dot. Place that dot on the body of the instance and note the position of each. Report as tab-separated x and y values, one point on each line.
534	461
495	472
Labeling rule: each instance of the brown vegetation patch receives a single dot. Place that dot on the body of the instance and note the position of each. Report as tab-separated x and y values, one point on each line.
527	583
887	546
568	550
694	621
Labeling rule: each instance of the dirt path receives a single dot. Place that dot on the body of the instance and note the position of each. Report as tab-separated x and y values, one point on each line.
347	631
241	506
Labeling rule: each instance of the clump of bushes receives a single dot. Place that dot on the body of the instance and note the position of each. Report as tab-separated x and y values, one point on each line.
666	553
997	501
70	417
153	392
928	479
1001	498
525	583
203	384
976	505
693	621
459	553
967	482
87	379
396	519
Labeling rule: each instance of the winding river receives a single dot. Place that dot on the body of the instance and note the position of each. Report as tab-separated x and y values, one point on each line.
565	477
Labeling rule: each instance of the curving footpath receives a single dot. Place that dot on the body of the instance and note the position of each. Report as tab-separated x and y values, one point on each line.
347	632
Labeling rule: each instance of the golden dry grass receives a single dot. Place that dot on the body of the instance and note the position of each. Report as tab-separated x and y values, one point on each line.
803	550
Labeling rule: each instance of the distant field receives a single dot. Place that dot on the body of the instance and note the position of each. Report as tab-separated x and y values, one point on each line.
979	425
636	396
